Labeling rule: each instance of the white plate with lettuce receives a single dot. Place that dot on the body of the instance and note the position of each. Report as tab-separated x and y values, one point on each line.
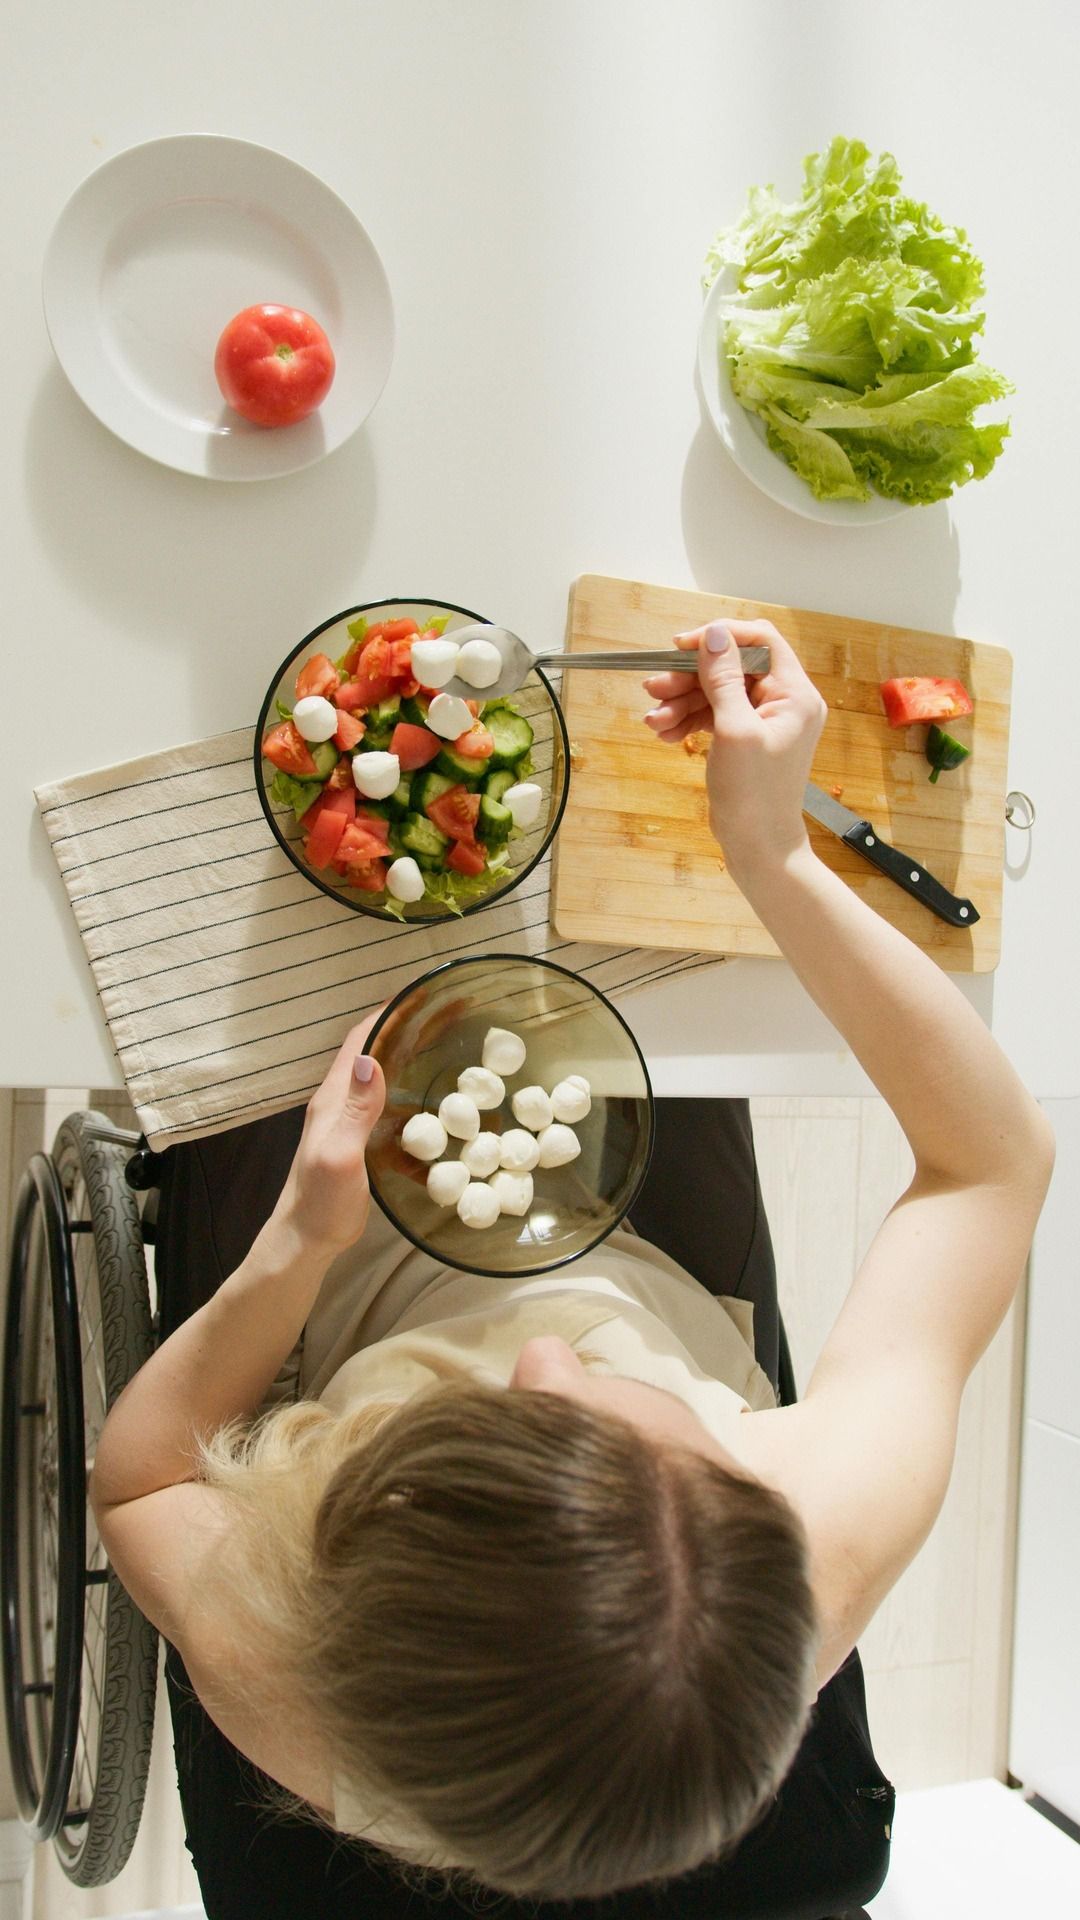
837	346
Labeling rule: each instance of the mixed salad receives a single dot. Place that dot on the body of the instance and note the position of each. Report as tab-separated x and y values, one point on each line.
401	791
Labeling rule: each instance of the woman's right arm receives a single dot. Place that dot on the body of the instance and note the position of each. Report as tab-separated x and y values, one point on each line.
946	1263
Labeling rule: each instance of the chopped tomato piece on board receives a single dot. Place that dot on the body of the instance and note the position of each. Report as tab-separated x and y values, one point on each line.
921	699
285	747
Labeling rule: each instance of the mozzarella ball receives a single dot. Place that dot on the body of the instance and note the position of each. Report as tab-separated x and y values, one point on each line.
479	663
532	1108
556	1145
434	662
518	1151
482	1087
513	1191
481	1155
404	879
460	1116
504	1052
478	1206
424	1137
571	1099
447	1181
315	718
375	775
523	802
449	717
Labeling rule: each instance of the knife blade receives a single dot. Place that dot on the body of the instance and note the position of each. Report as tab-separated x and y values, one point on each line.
907	871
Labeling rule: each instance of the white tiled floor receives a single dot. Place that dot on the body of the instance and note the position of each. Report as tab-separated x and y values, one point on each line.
936	1656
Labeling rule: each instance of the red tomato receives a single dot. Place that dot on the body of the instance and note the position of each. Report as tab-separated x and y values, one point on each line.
363	692
399	629
356	648
341	779
467	857
374	823
274	365
374	658
317	676
358	845
349	731
322	841
414	746
400	657
909	702
286	748
334	799
369	876
455	813
477	744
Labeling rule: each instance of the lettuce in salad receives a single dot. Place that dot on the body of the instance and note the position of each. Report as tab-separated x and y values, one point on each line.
852	333
287	791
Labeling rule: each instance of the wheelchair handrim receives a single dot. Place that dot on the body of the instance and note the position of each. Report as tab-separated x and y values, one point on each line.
42	1807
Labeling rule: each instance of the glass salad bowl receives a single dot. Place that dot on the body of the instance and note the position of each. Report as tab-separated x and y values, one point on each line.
447	895
435	1029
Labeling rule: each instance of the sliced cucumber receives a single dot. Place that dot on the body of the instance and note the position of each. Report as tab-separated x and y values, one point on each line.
423	840
494	822
461	767
325	755
400	801
376	740
415	709
512	734
427	785
387	713
496	783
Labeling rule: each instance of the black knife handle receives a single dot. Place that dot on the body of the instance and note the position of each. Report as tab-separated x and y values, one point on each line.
910	874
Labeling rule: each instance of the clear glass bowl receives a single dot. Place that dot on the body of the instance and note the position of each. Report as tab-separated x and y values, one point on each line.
550	755
436	1028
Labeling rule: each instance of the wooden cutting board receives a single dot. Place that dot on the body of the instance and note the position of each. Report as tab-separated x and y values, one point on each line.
636	864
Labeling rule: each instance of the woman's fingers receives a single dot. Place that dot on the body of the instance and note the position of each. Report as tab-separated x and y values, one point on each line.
678	708
337	1084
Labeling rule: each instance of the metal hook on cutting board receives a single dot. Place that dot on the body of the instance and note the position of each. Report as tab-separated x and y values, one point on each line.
1017	806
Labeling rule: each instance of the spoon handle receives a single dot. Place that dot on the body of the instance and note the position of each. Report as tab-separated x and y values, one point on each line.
756	660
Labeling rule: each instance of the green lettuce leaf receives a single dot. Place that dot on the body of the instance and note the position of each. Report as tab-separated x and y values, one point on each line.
287	791
852	333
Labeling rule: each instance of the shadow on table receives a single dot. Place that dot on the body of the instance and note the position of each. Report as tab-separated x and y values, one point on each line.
739	542
194	565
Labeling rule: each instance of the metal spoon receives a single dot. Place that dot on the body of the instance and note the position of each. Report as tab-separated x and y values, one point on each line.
519	661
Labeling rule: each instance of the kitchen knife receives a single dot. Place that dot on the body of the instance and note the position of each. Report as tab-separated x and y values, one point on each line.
908	872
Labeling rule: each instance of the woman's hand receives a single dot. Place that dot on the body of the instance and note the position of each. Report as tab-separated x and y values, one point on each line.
764	732
324	1203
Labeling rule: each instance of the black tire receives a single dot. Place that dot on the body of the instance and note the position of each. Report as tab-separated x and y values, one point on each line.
119	1669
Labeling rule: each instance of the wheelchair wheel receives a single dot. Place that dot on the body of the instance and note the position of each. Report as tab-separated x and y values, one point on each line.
79	1659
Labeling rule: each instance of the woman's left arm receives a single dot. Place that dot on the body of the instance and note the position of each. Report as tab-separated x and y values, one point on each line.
220	1363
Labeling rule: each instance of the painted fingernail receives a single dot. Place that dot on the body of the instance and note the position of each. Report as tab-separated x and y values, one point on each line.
363	1067
717	637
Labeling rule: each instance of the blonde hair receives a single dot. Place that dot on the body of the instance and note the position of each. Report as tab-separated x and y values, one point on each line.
578	1659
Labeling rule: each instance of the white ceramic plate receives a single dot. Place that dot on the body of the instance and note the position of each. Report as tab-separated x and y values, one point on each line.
743	434
152	256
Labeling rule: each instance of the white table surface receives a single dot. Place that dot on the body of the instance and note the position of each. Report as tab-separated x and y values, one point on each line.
542	179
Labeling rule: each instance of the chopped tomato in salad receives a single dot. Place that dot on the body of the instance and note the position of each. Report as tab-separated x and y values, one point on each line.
446	812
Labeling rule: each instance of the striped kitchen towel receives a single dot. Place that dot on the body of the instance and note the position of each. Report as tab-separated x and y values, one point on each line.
227	980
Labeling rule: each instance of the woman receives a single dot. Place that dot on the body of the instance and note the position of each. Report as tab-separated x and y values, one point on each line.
541	1585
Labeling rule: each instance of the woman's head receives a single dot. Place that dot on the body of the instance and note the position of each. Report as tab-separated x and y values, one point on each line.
570	1645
